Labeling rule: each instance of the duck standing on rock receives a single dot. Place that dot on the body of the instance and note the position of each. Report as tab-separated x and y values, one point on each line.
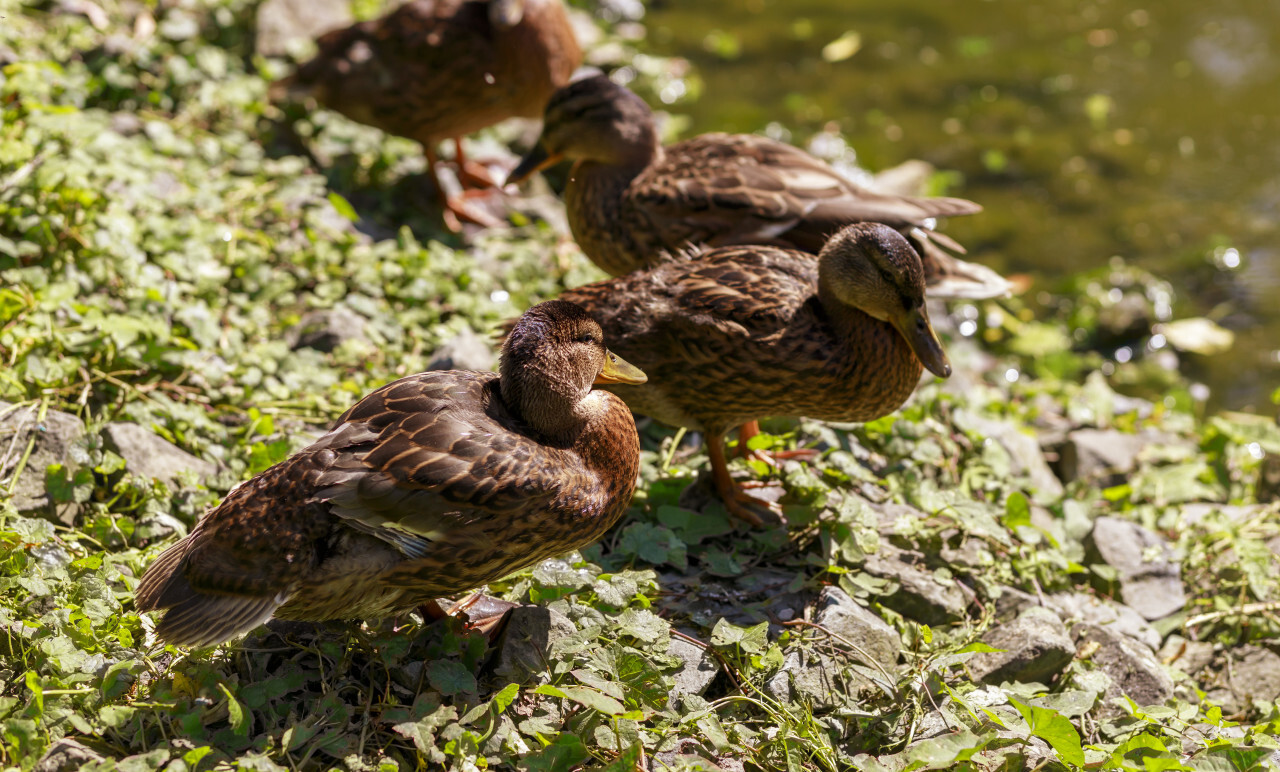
437	483
437	69
632	202
735	334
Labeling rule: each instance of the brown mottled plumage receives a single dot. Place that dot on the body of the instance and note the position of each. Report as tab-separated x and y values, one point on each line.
434	484
435	69
632	202
735	334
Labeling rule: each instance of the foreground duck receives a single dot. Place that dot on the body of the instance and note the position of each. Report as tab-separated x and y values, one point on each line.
437	69
434	484
631	201
736	334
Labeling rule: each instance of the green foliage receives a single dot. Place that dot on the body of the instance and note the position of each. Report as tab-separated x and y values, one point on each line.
161	237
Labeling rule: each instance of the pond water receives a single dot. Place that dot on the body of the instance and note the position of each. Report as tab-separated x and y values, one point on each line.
1087	130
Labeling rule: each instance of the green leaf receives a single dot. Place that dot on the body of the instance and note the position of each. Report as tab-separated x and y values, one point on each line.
1017	510
644	625
236	713
343	207
567	751
1054	728
593	699
450	678
751	640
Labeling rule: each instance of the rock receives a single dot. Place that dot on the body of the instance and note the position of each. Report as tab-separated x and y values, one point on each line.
525	646
1024	451
282	24
1036	648
326	329
59	439
66	755
150	456
1188	656
1011	602
817	678
1150	579
1115	617
464	351
1197	736
920	595
841	615
1133	668
1104	455
699	669
1254	674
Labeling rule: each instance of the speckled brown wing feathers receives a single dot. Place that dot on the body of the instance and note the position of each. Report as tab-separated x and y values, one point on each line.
428	485
736	334
722	189
408	72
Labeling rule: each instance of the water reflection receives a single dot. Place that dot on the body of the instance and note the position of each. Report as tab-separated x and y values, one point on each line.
1088	131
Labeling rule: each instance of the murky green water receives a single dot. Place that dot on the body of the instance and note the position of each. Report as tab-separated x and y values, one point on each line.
1087	130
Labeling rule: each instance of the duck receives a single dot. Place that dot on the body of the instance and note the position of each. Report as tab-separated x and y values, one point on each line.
436	483
735	334
632	202
438	69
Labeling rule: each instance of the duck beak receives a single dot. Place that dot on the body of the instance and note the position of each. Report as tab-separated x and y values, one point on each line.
536	160
915	327
618	370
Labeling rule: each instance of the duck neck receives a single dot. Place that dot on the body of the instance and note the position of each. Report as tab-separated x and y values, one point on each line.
596	205
844	318
558	413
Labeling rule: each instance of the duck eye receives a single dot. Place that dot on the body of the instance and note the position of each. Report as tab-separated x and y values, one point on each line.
586	339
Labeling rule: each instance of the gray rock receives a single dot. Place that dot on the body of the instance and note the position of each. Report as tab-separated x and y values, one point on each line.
283	24
1011	602
326	329
1188	656
1254	674
1025	454
1104	456
59	439
843	616
150	456
464	351
524	649
1133	668
920	595
1036	648
1150	579
66	755
816	678
1105	613
1197	736
699	669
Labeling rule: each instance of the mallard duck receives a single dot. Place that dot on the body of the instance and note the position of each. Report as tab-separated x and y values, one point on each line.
436	483
735	334
436	69
632	202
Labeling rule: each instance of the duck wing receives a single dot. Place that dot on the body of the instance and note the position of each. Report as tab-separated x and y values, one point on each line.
721	189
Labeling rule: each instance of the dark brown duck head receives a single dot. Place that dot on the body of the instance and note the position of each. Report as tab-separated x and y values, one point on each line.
872	267
592	119
553	356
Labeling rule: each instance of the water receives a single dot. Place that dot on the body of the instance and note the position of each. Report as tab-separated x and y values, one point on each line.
1087	130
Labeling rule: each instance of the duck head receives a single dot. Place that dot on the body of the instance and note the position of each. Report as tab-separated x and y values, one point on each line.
872	267
592	119
551	359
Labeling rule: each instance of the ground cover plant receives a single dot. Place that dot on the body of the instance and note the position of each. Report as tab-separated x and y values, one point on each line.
1053	560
